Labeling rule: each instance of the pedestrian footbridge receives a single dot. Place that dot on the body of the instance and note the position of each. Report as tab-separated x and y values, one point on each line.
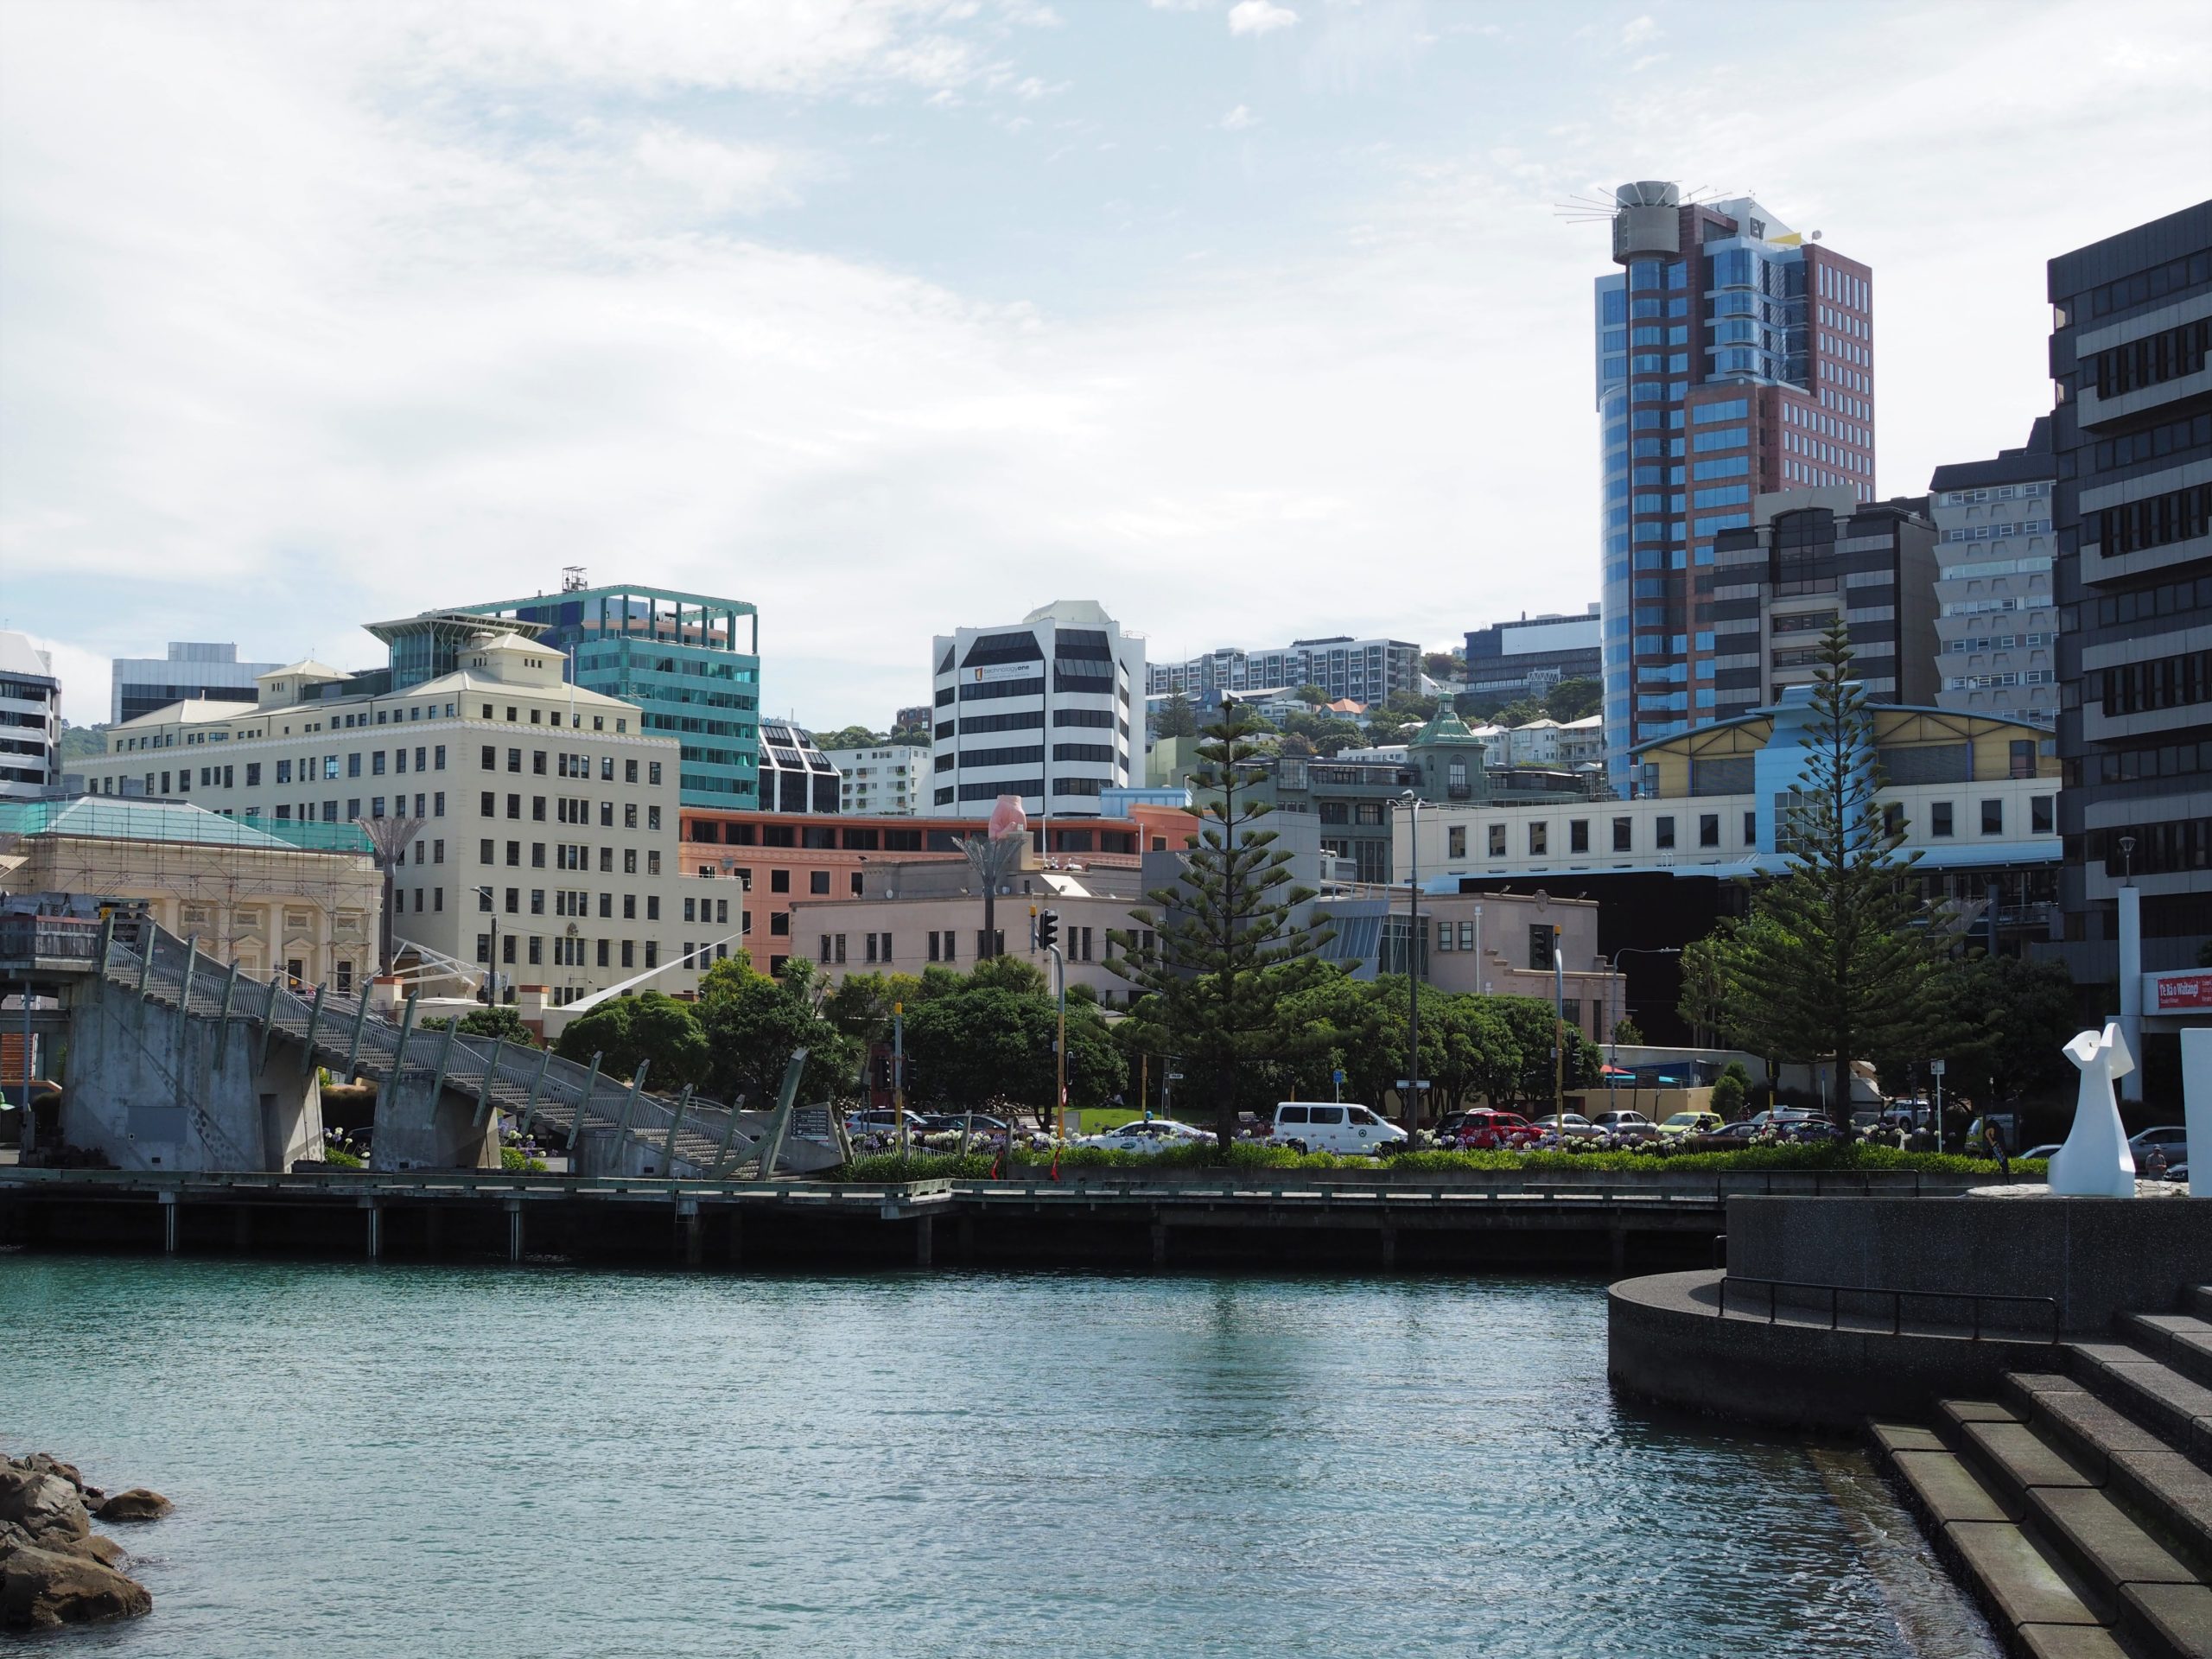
170	1059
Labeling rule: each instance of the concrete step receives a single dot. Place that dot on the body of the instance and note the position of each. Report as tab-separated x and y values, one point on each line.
2181	1340
2197	1299
2091	1538
2171	1495
2177	1407
2038	1605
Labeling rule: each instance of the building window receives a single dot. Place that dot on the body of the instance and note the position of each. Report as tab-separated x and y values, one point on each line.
1539	838
1578	835
1497	840
779	880
2040	819
1939	818
1663	833
817	881
1622	834
1540	946
1455	841
1708	830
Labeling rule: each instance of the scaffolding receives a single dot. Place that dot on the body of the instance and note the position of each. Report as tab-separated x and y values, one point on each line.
292	899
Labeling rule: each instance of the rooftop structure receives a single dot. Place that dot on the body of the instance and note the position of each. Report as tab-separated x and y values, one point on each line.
208	670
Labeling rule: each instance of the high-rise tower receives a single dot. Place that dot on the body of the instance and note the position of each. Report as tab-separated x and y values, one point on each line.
1734	357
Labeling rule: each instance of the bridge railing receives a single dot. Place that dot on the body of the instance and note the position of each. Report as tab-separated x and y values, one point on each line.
559	1091
48	938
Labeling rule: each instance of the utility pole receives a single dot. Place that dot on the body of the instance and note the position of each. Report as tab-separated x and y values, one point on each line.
1414	943
1558	1035
1048	936
899	1074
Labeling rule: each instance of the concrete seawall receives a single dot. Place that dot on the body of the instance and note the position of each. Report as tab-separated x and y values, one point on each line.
1813	1357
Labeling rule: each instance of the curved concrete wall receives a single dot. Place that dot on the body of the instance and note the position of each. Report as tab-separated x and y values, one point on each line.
2096	1257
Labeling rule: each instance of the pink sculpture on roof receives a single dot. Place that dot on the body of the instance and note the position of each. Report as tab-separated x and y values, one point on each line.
1007	818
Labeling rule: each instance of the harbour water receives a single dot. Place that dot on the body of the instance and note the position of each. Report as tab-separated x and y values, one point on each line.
445	1461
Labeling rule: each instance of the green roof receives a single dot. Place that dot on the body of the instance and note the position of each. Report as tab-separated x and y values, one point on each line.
107	817
1446	728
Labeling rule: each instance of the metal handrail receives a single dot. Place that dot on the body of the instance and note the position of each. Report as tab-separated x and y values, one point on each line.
1835	1293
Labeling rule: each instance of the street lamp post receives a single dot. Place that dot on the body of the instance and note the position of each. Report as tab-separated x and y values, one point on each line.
492	968
1412	804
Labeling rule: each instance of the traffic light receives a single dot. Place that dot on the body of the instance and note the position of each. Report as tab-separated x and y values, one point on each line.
1048	929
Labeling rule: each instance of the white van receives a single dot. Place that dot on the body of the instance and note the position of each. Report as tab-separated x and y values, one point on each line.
1320	1126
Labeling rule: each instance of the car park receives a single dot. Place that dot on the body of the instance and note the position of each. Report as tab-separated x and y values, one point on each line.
1340	1127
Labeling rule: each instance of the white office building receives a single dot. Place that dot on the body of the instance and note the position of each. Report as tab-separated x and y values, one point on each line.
887	779
1041	709
30	720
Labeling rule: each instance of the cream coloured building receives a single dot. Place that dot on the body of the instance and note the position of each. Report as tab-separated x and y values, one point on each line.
543	813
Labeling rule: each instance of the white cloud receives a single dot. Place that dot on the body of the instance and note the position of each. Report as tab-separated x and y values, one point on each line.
721	178
1259	17
1239	119
1637	31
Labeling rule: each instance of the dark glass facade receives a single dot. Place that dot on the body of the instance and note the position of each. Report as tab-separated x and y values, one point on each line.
2132	318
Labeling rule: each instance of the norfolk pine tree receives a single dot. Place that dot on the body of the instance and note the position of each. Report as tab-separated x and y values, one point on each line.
1227	952
1840	962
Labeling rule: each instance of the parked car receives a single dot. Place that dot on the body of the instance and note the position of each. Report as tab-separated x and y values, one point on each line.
2043	1151
1626	1126
1145	1135
1568	1126
1490	1130
1743	1128
1324	1127
1692	1123
2170	1138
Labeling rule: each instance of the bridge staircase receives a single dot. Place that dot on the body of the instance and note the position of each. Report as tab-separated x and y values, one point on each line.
635	1128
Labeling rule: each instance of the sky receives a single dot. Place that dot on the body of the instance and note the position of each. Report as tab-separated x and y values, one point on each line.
1252	321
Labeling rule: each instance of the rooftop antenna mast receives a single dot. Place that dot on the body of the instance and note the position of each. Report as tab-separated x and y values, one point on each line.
573	578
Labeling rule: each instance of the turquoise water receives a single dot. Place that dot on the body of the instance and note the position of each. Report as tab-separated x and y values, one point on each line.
446	1461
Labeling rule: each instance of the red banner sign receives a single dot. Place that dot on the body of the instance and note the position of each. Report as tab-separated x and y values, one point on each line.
2180	993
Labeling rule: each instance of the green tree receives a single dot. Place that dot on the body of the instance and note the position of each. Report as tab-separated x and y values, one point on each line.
1519	712
991	1042
623	1031
1625	1030
1531	1021
1443	665
1845	968
754	1023
501	1022
1229	950
2014	1016
1703	1004
1311	695
849	737
1729	1090
1327	734
1176	718
1572	700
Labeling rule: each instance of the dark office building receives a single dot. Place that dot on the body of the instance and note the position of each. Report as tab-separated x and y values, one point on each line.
2132	318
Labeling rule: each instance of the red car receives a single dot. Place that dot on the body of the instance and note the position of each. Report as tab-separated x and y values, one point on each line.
1488	1131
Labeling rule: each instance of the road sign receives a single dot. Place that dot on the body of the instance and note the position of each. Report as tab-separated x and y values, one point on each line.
1339	1074
1934	1068
1402	1083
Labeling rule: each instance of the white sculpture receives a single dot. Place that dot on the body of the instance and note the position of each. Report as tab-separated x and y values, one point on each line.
2095	1161
2196	1104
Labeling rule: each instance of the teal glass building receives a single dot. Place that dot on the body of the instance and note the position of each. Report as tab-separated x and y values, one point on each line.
690	662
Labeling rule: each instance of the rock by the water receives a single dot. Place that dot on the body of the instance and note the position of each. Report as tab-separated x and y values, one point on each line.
43	1589
137	1504
45	1463
43	1505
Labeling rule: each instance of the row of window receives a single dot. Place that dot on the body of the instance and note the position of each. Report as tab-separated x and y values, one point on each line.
570	953
2155	760
2176	516
569	811
2150	361
2000	493
1940	825
2160	682
2158	848
1998	682
2185	272
2167	599
2189	432
567	856
2002	642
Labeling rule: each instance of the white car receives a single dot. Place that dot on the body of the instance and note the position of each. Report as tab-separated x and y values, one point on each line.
1626	1126
1147	1134
1322	1126
1572	1126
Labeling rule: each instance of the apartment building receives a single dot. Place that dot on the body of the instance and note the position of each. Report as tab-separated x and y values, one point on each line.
1364	670
541	810
30	720
886	779
1526	657
1997	618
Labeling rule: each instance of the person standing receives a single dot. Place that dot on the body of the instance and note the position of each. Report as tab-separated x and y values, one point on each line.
1993	1140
